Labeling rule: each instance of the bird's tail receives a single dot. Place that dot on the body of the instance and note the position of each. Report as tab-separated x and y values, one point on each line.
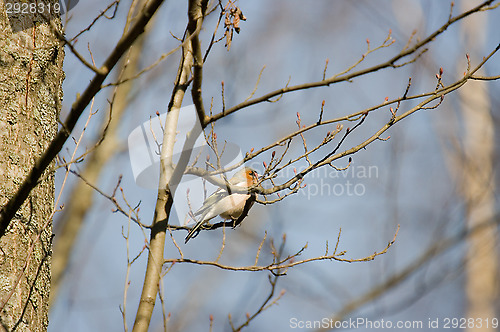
195	229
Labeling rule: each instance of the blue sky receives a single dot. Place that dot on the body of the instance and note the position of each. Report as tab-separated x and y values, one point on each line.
412	186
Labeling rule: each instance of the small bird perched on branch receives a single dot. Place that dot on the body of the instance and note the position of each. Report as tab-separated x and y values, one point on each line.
221	203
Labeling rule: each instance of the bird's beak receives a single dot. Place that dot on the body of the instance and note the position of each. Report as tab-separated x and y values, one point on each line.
257	176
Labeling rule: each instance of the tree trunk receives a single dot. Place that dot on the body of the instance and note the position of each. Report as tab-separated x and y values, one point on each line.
30	99
478	187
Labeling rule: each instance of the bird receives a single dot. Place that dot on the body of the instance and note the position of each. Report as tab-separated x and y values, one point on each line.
227	206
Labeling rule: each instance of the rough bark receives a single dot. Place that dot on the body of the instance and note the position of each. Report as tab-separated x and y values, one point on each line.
30	97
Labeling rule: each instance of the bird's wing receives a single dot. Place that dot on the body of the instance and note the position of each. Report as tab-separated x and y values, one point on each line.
211	200
206	212
225	205
228	206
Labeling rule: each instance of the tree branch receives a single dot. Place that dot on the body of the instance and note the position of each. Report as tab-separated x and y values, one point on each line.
391	63
168	178
8	211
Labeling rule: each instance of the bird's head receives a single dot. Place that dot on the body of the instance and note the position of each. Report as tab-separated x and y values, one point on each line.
245	176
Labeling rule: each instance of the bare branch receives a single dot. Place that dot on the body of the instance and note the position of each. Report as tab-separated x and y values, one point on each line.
391	63
8	210
288	262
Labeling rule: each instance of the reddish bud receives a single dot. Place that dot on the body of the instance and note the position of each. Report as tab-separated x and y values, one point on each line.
440	70
295	170
278	195
264	163
251	150
211	317
273	154
208	157
323	103
298	116
387	98
157	113
248	315
215	135
222	83
367	41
